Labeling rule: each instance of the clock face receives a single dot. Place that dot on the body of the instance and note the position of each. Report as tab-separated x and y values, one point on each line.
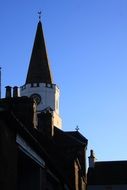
37	98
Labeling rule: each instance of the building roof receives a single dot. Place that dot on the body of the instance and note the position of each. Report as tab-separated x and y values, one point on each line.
59	151
77	135
18	105
108	173
39	143
39	70
66	139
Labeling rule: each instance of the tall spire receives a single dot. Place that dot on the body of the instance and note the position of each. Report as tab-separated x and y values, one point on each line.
39	70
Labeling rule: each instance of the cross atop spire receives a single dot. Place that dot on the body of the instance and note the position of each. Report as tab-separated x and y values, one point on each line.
77	128
39	13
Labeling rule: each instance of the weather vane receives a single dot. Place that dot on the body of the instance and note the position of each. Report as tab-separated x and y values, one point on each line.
39	13
77	128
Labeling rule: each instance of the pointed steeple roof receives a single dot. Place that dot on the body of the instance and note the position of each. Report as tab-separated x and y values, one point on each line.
39	70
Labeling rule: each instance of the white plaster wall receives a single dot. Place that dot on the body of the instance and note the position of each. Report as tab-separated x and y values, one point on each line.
57	96
49	95
57	122
107	187
49	98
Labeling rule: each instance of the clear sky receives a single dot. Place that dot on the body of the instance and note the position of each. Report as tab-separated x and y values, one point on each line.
87	48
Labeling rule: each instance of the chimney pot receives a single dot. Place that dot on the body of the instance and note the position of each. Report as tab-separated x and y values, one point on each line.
15	91
91	159
8	91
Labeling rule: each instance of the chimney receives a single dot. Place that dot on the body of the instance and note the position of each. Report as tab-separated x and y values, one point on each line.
15	91
45	123
91	159
8	92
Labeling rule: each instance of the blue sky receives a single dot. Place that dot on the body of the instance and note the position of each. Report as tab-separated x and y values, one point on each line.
87	48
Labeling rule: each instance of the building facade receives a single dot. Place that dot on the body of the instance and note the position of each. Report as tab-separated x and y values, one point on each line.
106	175
39	84
35	153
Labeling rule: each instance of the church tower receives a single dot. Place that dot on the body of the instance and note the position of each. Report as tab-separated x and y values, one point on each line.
39	83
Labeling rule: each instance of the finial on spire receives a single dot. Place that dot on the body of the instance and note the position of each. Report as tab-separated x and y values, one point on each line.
39	13
77	128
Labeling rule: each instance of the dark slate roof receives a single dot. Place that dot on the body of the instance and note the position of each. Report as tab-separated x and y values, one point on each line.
66	140
78	135
58	152
108	173
62	162
39	70
71	147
